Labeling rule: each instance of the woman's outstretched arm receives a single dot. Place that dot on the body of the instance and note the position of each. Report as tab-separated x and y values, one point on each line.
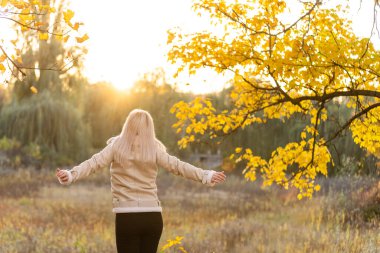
97	161
178	167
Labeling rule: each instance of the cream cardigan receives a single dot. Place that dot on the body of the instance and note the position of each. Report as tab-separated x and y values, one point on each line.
133	185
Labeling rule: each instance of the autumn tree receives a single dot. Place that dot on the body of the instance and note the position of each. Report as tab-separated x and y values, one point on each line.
284	64
39	57
40	21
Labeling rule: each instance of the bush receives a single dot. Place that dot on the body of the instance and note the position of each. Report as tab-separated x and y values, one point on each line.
13	154
48	127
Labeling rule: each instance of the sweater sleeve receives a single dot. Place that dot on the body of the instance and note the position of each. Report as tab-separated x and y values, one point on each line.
173	165
97	161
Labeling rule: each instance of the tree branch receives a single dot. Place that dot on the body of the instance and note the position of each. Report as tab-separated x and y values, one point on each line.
33	28
327	96
13	62
348	123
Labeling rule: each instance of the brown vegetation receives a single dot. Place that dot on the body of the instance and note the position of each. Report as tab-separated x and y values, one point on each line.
39	215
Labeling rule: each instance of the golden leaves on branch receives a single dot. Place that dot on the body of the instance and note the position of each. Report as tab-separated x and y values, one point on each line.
67	17
276	169
34	16
365	131
281	68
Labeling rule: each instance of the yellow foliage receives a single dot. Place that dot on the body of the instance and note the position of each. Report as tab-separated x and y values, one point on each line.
76	26
176	242
366	131
280	69
43	36
4	3
82	39
27	17
67	16
33	89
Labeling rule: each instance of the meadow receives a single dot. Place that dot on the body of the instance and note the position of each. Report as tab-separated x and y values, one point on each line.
39	215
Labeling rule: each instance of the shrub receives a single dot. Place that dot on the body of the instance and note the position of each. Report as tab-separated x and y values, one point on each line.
50	125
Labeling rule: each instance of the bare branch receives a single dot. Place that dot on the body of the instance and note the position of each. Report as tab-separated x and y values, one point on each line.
13	62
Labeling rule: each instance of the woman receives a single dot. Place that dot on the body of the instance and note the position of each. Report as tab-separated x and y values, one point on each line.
135	155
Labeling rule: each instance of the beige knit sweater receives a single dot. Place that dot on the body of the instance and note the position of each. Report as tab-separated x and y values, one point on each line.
133	185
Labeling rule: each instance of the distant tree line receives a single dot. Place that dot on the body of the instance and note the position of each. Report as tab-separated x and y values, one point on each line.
70	125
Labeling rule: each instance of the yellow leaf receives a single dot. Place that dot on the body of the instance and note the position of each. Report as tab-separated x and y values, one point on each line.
68	15
43	36
4	3
66	38
82	39
2	58
58	37
76	26
19	5
33	89
2	68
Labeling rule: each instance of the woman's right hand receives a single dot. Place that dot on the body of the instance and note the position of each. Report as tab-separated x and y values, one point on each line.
64	176
218	177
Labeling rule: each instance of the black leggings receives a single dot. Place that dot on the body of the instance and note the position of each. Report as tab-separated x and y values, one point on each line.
138	232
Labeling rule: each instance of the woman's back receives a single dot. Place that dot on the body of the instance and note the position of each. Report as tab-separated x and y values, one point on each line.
134	157
133	186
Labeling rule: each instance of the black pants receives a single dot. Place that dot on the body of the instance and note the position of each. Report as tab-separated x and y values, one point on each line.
138	232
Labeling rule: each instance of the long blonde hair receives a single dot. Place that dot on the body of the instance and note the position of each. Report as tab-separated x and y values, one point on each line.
137	140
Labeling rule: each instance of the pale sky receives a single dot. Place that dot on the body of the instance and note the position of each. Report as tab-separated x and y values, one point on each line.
128	39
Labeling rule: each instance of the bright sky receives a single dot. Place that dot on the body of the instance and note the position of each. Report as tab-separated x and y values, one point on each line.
128	39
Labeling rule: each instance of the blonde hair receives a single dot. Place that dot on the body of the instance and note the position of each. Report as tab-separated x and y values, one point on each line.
137	140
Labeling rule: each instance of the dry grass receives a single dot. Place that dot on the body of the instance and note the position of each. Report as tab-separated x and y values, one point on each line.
39	215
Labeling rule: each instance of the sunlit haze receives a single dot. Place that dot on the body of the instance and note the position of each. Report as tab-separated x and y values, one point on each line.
128	39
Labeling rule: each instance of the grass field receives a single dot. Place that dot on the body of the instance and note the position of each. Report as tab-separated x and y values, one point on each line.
39	215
